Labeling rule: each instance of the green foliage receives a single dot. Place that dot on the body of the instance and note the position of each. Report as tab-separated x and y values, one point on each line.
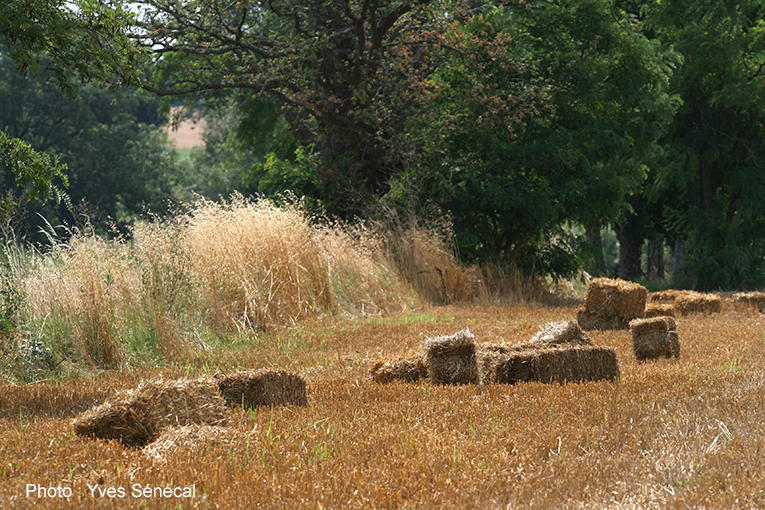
716	143
110	143
33	169
554	118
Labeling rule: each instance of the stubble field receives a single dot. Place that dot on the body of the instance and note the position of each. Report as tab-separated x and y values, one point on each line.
684	433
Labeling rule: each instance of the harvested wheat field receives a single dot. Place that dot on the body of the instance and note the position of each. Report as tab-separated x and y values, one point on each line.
668	433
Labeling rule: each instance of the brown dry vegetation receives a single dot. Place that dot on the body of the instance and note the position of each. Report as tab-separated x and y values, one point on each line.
668	434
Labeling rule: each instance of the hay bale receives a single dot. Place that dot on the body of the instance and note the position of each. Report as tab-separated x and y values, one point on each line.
612	297
654	337
266	387
138	416
611	303
189	440
409	368
695	302
655	345
755	299
570	364
452	359
659	310
559	333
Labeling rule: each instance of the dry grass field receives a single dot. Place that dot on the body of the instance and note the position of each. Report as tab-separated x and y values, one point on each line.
680	433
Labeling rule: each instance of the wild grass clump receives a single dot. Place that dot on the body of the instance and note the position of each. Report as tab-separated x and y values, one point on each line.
259	265
425	255
219	270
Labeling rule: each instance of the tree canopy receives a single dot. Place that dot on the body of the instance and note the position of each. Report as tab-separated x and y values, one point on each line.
525	122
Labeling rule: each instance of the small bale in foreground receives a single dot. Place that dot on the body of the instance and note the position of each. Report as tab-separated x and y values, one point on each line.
551	365
136	417
189	441
408	368
452	359
266	387
654	337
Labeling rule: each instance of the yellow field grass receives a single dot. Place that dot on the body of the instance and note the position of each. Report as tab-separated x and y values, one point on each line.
685	433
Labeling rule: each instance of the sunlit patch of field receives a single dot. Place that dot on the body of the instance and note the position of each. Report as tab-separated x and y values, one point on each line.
668	434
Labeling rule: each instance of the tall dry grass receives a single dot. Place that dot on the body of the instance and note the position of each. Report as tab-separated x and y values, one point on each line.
199	279
426	256
220	269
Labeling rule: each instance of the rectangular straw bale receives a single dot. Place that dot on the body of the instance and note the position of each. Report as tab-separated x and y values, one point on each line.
266	387
655	344
612	297
409	368
452	359
755	299
652	324
570	364
507	367
659	310
576	364
559	333
137	416
696	302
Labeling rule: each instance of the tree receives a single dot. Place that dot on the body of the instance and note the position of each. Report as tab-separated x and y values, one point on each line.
344	74
715	166
115	150
569	109
78	48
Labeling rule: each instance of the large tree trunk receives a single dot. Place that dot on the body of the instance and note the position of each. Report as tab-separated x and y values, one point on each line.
598	263
656	258
630	251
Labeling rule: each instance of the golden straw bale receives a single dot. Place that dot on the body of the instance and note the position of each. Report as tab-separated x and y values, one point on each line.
695	302
508	367
658	309
266	387
575	363
189	440
652	324
452	359
559	333
654	337
137	416
612	297
755	299
410	368
656	344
